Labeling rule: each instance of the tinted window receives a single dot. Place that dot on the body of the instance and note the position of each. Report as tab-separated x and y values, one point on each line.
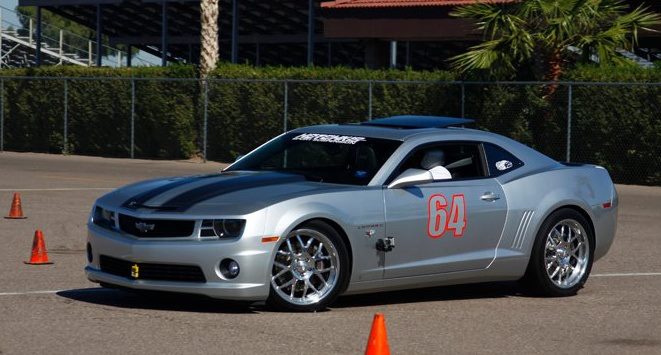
499	160
462	160
322	157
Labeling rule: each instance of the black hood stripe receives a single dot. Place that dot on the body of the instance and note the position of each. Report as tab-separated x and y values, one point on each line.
187	199
140	199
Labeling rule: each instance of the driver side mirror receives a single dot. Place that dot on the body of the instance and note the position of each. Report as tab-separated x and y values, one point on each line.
411	177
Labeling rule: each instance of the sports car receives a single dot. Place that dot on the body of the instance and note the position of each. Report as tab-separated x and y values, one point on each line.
393	203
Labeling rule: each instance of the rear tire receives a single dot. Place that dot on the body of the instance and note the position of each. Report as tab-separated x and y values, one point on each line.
562	256
310	268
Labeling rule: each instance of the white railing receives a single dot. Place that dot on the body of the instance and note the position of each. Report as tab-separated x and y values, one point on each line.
67	48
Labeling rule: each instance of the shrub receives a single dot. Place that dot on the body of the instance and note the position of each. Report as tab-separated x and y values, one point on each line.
616	126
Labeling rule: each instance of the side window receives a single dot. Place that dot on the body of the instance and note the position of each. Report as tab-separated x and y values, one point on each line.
499	160
462	160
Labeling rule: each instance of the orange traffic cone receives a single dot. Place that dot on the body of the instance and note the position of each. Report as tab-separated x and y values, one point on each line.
16	212
377	344
39	254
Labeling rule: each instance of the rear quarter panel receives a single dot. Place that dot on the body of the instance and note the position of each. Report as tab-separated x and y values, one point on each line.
534	196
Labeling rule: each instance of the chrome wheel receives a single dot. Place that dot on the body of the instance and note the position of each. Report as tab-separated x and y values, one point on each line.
305	268
566	253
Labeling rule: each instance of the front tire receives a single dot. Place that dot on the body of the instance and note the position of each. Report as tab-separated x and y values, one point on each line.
562	255
310	268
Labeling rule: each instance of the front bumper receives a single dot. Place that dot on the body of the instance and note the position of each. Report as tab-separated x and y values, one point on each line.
253	257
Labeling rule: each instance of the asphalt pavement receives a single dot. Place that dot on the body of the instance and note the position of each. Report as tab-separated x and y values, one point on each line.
54	309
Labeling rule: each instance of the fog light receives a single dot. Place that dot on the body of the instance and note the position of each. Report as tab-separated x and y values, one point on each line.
90	256
229	268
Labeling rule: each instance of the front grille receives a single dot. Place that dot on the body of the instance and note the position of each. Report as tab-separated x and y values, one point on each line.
155	228
161	272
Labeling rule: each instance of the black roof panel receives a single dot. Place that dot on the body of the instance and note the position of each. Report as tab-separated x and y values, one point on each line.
412	121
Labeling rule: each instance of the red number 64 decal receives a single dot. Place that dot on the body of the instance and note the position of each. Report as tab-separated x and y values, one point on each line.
438	221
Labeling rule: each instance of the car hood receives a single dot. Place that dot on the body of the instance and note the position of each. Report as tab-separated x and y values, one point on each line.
232	193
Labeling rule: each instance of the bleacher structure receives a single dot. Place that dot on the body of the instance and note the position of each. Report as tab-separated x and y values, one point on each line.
18	46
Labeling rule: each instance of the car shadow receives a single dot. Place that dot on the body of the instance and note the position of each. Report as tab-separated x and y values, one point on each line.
164	301
431	294
161	301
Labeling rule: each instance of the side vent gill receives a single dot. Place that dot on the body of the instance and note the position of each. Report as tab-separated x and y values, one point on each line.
523	229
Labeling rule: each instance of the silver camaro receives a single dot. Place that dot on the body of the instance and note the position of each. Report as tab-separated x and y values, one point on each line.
393	203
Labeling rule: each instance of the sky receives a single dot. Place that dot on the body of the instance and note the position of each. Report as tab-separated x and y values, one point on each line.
6	16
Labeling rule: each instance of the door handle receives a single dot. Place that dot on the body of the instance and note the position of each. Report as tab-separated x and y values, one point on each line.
490	197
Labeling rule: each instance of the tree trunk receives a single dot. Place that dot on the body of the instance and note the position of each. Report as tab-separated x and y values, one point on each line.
545	129
553	74
209	36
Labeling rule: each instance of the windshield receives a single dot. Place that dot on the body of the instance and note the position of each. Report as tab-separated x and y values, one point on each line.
321	157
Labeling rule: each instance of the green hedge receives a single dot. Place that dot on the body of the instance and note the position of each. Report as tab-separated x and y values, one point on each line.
619	127
615	126
99	111
247	113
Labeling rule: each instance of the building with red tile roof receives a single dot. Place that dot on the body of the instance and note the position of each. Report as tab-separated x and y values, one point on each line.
354	4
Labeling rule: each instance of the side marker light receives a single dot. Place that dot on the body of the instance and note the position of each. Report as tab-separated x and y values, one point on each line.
270	239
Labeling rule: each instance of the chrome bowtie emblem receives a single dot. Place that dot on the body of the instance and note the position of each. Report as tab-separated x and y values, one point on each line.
144	227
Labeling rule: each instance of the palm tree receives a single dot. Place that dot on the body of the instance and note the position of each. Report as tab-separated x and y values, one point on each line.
209	36
537	34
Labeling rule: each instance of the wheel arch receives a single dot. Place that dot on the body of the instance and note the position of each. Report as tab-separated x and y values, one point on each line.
567	205
576	208
536	226
532	276
340	231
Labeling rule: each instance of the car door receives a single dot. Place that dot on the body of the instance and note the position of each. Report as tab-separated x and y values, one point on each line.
447	225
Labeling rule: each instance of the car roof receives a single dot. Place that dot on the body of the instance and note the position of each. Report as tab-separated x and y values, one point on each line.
410	121
363	131
399	128
419	135
412	135
398	134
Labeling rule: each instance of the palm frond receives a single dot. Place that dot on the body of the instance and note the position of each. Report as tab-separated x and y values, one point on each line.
483	56
491	19
541	29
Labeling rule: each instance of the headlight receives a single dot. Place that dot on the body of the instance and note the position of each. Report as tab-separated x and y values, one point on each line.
222	228
104	218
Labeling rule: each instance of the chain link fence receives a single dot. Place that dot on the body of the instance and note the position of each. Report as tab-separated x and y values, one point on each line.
617	125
